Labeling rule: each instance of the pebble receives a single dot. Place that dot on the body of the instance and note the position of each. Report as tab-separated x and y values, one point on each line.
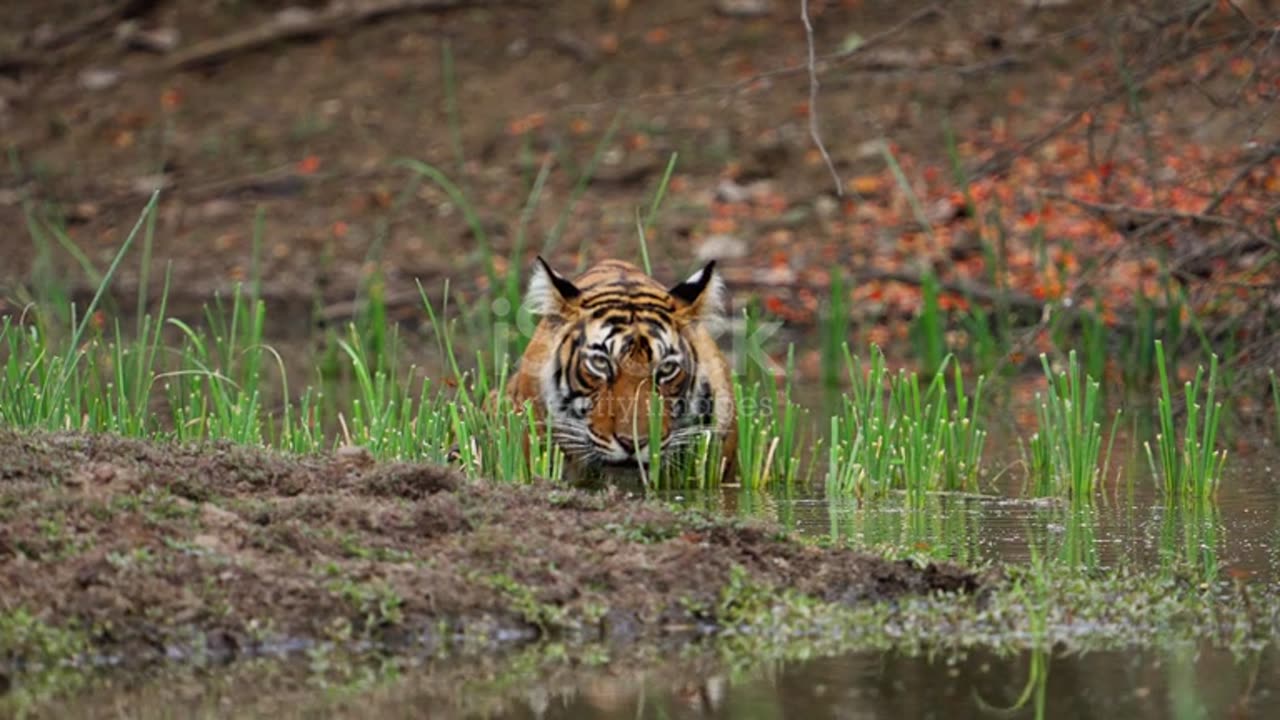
96	78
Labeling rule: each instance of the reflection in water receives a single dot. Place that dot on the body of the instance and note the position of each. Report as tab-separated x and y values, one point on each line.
1184	682
935	525
1189	535
1180	681
1133	528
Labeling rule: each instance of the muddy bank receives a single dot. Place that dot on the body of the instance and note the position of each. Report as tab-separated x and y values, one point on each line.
137	551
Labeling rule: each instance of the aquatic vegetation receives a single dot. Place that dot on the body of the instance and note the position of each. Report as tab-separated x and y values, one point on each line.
1067	446
893	433
1189	462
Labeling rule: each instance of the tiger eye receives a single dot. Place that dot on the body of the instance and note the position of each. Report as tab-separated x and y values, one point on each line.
598	363
668	370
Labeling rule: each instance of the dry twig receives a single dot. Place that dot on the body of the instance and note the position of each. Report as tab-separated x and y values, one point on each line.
833	59
813	99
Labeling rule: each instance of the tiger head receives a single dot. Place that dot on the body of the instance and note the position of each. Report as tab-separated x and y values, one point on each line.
618	342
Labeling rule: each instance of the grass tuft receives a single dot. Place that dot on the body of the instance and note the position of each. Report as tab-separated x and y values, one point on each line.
893	432
1068	444
1194	468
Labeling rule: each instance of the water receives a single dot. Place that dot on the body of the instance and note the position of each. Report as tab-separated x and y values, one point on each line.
1188	682
1130	524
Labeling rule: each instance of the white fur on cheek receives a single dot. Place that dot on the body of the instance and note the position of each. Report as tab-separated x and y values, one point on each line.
550	393
553	393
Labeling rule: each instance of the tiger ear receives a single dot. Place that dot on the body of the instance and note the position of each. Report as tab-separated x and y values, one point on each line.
550	293
702	295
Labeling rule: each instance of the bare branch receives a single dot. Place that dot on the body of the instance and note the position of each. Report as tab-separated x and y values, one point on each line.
813	99
837	58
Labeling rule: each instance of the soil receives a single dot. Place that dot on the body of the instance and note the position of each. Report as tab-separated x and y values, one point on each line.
309	130
154	551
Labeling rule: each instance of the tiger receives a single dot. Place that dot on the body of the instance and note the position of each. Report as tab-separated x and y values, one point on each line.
609	343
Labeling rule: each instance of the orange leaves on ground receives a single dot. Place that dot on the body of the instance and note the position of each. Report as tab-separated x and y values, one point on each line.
1241	66
526	123
770	205
637	141
1027	222
777	306
171	99
308	165
865	184
1045	241
1183	200
722	226
340	229
877	335
657	36
949	302
1049	289
608	43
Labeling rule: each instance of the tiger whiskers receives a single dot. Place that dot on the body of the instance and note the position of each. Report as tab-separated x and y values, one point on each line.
685	436
577	442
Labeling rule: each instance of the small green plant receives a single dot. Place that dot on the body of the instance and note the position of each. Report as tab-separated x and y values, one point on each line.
1093	341
892	432
377	602
769	433
834	329
1194	468
928	328
523	599
986	348
1068	444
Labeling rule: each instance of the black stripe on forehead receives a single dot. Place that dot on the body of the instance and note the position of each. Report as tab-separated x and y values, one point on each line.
632	312
614	322
648	299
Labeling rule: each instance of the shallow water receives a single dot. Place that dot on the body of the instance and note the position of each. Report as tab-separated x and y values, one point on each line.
1182	682
1187	682
1129	525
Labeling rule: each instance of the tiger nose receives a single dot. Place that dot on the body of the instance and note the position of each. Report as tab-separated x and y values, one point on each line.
626	443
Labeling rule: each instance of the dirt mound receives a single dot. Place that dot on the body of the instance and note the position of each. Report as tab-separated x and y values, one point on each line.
152	549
